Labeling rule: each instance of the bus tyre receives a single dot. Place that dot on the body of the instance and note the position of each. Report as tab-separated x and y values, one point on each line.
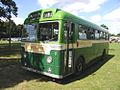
79	66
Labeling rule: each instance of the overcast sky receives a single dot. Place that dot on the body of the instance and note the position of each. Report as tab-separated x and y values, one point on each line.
97	11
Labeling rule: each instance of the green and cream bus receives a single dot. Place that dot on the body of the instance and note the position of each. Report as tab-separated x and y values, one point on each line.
57	44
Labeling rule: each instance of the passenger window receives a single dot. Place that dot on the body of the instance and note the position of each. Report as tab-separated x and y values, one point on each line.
90	34
102	35
97	34
82	32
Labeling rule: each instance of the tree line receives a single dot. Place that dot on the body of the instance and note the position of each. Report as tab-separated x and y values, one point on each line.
16	30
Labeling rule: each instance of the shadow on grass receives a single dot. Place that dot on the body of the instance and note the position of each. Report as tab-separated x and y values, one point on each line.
88	71
12	74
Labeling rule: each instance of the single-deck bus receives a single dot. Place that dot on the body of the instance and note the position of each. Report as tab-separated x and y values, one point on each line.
57	44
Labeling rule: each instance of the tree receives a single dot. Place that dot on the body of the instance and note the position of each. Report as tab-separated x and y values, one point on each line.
104	26
19	30
8	7
4	32
112	35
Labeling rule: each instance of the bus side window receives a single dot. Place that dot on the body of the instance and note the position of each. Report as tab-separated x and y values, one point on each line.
82	32
102	35
90	34
97	36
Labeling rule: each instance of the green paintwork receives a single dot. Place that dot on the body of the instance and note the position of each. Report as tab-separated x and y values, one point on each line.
90	53
39	61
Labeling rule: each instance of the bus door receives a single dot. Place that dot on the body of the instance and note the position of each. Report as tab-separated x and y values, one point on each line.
69	30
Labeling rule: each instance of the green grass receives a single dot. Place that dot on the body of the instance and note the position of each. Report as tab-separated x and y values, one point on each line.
104	75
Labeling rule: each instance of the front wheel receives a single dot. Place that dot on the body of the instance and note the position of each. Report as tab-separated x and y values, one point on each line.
79	66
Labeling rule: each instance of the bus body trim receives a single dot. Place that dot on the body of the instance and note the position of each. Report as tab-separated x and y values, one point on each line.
47	48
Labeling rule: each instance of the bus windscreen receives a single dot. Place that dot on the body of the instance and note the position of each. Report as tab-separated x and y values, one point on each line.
48	31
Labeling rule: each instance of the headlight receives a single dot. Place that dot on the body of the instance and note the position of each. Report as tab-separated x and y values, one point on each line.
49	59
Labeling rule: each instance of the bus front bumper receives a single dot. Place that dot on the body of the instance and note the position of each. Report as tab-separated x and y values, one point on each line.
44	73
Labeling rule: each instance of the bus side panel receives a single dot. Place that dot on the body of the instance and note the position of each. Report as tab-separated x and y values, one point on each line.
90	53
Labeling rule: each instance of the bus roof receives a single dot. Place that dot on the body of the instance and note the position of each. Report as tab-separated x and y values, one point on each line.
58	14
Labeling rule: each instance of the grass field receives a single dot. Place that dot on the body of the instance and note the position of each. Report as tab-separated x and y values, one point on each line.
104	75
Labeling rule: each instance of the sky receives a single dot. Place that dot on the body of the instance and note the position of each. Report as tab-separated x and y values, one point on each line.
97	11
